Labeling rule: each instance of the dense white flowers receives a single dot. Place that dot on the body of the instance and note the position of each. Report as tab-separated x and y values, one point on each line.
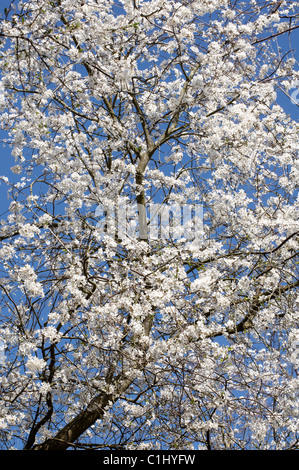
28	278
34	364
149	336
29	231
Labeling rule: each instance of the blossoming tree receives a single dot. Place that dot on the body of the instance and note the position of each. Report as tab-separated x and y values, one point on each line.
149	342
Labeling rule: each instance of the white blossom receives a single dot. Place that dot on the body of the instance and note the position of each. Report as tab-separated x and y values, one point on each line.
176	329
34	364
